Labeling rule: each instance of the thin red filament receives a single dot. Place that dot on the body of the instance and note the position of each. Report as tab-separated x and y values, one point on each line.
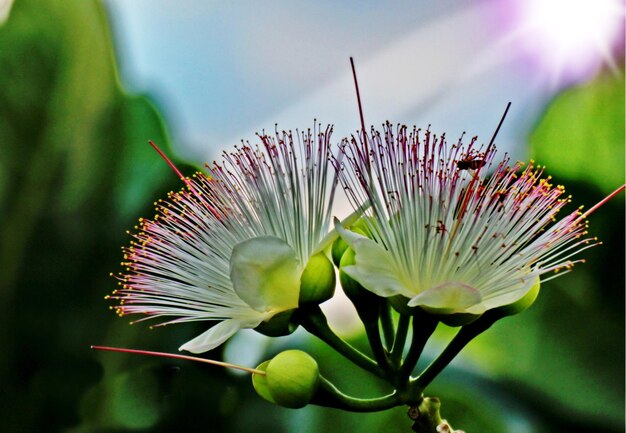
184	357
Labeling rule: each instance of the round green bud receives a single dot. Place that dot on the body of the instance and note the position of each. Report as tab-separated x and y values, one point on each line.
523	303
279	325
292	378
317	283
339	247
259	382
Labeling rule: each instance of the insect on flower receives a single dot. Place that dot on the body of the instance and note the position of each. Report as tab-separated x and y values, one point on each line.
234	245
471	162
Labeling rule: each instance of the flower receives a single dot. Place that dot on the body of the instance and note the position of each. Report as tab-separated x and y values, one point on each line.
232	246
445	235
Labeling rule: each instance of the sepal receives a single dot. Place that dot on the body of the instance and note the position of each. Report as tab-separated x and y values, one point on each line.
318	280
279	325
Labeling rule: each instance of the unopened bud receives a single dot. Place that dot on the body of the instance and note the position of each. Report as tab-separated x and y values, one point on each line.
291	379
317	283
339	247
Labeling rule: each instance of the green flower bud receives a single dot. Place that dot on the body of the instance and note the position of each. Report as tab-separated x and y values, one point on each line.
292	378
317	283
259	382
279	325
339	247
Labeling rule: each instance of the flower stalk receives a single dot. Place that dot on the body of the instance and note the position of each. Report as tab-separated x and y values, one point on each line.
314	321
423	327
330	396
399	340
466	334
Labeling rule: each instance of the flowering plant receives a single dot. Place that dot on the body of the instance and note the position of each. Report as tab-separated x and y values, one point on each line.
440	234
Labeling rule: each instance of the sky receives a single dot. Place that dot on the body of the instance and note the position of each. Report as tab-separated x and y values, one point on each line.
221	71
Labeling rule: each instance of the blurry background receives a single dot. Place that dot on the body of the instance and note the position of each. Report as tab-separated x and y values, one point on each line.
84	84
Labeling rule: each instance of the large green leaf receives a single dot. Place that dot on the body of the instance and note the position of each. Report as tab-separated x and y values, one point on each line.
75	171
581	134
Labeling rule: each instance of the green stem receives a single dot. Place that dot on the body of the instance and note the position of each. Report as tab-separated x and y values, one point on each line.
329	396
314	321
398	343
373	337
387	323
460	340
424	325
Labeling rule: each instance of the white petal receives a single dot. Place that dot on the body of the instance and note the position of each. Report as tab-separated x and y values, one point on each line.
213	337
266	273
448	298
374	267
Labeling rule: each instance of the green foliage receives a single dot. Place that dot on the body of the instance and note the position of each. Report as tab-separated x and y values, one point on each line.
582	133
76	170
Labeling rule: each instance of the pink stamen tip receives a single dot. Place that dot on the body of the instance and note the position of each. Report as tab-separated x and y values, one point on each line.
182	177
184	357
601	202
169	162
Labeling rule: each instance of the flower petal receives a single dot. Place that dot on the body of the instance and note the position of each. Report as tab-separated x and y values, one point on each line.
265	273
449	298
374	267
212	338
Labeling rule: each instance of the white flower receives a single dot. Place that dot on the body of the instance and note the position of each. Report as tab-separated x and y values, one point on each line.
232	246
446	235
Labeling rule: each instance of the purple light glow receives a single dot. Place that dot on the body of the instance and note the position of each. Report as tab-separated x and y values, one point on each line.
567	41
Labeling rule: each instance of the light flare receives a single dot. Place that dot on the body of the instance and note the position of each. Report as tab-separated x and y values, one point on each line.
570	39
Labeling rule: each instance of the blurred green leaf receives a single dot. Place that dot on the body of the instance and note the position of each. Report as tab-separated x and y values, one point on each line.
76	170
582	133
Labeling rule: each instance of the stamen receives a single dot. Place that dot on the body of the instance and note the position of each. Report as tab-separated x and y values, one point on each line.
495	133
601	203
183	178
169	162
358	98
184	357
